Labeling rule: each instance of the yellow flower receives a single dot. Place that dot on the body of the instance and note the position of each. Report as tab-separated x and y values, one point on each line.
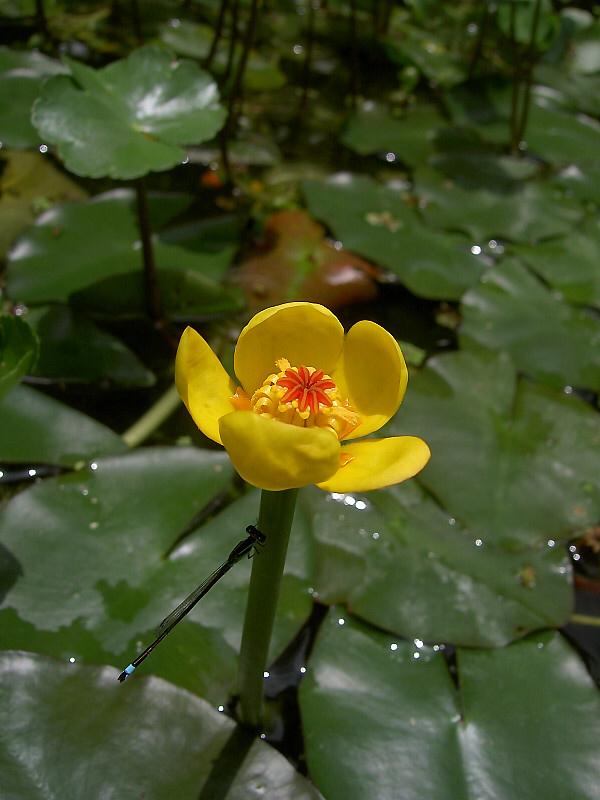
306	391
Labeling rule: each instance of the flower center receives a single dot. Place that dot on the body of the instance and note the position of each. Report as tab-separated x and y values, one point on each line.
302	396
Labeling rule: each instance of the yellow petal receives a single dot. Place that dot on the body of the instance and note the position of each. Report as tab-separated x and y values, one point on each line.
273	455
202	383
372	374
377	463
304	333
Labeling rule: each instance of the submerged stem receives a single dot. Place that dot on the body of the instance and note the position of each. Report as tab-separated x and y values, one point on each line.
152	419
275	521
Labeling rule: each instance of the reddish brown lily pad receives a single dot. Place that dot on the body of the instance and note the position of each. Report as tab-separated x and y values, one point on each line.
294	261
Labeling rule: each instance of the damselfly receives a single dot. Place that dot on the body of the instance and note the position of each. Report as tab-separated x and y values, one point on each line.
244	548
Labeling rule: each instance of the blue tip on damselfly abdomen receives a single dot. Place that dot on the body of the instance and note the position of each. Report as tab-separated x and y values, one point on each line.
243	548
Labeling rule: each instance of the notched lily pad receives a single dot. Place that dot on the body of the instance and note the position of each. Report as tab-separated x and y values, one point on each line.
511	460
377	222
547	338
401	562
379	714
79	720
131	117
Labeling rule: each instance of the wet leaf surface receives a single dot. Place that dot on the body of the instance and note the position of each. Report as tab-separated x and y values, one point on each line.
512	460
189	749
380	715
512	310
376	222
131	117
129	570
38	429
399	561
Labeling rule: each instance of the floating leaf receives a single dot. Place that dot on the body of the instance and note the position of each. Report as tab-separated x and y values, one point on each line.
38	429
73	349
373	129
296	263
380	714
569	264
512	461
22	75
77	244
78	721
427	51
19	349
30	184
128	568
399	561
194	41
547	338
528	213
129	118
376	222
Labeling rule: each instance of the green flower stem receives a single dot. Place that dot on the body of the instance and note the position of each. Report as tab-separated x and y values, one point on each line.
152	419
584	619
275	521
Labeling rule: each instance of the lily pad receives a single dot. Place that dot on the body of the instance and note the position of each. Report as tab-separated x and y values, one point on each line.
22	75
194	41
30	184
38	429
399	561
570	264
511	460
429	52
376	222
73	349
379	714
77	244
19	348
128	568
185	294
528	213
79	720
410	138
513	310
129	118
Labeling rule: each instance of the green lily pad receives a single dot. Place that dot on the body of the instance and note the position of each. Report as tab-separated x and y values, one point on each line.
73	349
129	118
513	310
380	714
433	56
78	244
128	569
373	129
569	264
376	222
161	742
19	349
400	562
38	429
184	294
194	41
22	75
529	213
29	184
511	460
562	138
